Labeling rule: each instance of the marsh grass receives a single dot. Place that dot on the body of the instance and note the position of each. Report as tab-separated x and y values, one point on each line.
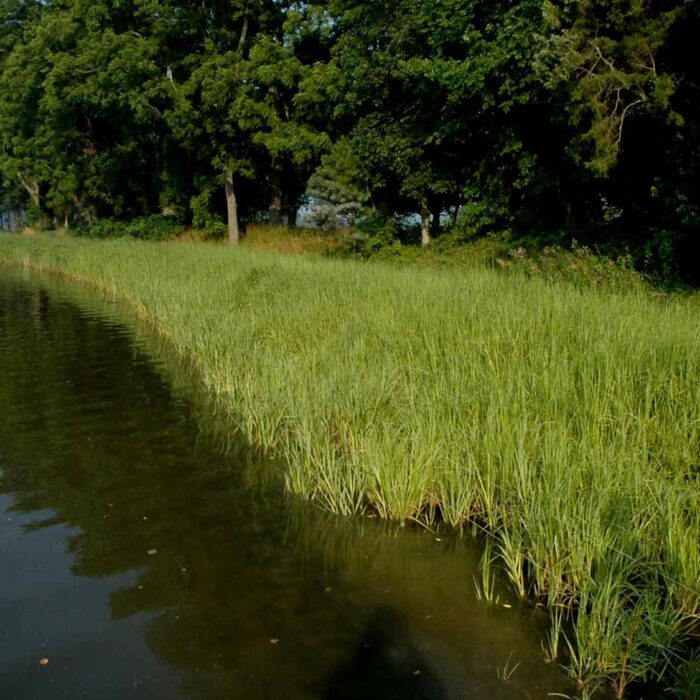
564	422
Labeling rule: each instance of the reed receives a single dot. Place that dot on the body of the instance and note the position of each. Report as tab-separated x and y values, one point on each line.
563	422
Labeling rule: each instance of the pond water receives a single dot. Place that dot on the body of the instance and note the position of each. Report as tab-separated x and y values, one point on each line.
140	561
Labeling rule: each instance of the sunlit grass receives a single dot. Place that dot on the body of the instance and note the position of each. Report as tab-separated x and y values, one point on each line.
281	239
564	423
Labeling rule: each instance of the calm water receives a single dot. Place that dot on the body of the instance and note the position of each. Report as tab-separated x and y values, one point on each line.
143	564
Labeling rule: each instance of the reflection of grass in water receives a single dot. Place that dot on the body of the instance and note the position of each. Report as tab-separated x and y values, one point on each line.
565	423
259	468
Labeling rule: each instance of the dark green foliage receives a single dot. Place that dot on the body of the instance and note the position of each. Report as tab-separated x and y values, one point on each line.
336	187
551	120
375	233
215	229
149	228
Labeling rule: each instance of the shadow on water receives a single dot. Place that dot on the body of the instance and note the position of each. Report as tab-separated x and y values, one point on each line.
387	664
143	561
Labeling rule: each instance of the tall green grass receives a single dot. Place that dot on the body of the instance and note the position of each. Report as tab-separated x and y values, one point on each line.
563	423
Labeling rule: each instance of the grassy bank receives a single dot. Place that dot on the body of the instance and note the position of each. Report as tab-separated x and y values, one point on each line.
565	423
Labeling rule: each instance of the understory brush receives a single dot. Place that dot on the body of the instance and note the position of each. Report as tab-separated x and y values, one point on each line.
576	264
150	228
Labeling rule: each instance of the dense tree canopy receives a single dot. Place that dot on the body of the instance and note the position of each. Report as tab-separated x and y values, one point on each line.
548	119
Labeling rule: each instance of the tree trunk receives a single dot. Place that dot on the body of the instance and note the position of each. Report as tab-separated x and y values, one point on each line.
84	212
243	35
292	213
231	210
568	216
424	222
276	199
435	223
241	46
34	193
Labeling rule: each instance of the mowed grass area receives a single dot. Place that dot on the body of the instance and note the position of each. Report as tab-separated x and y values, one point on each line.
564	423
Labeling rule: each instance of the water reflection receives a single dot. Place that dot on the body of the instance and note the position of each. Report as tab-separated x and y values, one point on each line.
143	563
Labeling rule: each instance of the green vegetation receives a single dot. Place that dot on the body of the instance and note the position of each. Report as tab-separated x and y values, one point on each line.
578	265
489	370
152	228
561	423
548	120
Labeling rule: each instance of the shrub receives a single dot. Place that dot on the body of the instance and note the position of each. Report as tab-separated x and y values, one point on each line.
215	229
374	233
155	227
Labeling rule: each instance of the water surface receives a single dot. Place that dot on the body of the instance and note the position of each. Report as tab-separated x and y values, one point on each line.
138	561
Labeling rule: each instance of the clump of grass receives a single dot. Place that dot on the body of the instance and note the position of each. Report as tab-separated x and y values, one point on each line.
295	241
562	420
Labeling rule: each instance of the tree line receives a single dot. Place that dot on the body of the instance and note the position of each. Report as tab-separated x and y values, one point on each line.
547	120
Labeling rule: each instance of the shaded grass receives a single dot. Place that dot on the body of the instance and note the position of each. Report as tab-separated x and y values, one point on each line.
577	265
564	423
